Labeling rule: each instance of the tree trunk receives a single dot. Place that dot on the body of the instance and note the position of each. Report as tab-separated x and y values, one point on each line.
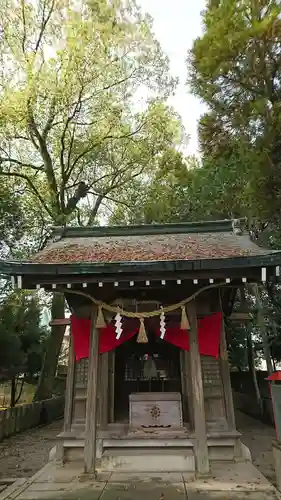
13	392
262	328
52	350
252	370
20	391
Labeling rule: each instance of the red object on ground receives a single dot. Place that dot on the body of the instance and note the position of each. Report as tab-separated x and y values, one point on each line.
209	329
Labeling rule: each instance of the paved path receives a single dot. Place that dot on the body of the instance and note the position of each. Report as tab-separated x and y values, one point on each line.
238	481
24	454
258	437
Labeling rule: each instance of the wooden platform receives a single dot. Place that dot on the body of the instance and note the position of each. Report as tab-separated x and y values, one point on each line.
121	448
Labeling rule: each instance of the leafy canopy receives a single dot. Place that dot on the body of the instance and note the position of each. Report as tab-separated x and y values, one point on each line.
235	67
71	74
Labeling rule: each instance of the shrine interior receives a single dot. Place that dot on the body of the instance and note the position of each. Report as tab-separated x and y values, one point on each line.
148	368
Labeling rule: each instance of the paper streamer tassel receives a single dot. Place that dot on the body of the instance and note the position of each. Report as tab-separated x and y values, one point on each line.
162	324
118	325
100	323
184	320
142	337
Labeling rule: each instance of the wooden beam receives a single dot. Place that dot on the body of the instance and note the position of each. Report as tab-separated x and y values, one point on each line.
91	403
104	391
184	386
189	390
201	448
226	381
69	387
240	316
60	322
111	386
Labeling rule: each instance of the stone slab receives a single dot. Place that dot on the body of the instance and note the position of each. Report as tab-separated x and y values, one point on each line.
13	489
233	477
73	491
230	495
276	449
54	473
155	460
122	477
51	486
144	490
85	495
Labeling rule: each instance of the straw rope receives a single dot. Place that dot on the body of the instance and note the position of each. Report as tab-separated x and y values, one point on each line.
142	315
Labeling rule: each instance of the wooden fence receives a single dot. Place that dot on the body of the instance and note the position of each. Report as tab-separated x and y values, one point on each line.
247	403
21	418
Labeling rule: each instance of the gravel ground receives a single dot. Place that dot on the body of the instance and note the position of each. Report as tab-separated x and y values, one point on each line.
258	437
22	455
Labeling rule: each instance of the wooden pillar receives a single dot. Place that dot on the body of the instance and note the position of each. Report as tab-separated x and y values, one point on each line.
69	391
226	380
91	403
189	390
103	391
111	388
201	448
183	386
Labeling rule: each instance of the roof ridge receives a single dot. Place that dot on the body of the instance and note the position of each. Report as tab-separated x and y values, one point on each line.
225	225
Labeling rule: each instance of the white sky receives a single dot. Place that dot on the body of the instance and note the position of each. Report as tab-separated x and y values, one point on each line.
176	24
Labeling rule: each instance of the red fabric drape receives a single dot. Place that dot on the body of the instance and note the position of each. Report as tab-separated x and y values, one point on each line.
80	328
208	335
209	329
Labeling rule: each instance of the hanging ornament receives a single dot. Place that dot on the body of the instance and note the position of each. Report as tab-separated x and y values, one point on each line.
118	325
100	323
184	319
142	337
162	324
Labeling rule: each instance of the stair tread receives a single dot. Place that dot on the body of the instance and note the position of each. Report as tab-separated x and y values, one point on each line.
154	452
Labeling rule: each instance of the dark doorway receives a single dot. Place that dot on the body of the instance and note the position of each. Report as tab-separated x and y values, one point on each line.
131	374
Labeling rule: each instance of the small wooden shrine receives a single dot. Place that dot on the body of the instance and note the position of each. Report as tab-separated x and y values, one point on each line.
148	384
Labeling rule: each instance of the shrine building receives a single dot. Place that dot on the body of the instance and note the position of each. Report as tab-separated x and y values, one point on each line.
148	384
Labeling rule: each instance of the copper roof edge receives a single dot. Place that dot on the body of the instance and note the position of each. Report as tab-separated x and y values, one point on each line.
224	225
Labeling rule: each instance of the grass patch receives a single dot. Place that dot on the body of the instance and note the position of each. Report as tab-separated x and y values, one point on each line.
5	394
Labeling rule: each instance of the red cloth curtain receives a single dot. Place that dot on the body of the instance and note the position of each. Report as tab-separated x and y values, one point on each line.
208	335
209	329
80	328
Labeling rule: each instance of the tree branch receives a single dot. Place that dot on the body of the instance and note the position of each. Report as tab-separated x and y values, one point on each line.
77	108
21	164
50	120
106	197
44	23
93	146
24	25
95	209
48	165
33	188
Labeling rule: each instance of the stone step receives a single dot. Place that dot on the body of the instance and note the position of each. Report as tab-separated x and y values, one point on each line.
147	443
153	460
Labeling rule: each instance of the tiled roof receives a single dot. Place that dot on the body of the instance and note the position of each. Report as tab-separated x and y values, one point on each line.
174	246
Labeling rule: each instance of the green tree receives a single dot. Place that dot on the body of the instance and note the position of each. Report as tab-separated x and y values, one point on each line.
71	133
235	68
73	101
159	196
181	189
21	339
